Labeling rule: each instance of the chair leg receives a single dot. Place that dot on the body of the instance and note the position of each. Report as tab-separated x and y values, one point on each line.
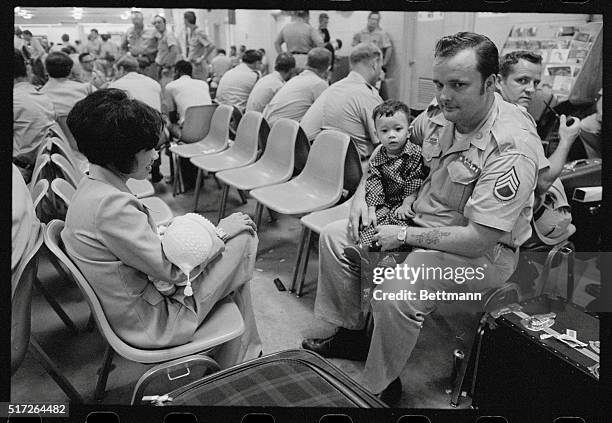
258	214
196	193
104	371
91	323
55	306
299	258
304	263
217	181
48	364
243	196
223	203
570	271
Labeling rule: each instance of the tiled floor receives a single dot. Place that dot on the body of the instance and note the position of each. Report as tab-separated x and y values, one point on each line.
283	321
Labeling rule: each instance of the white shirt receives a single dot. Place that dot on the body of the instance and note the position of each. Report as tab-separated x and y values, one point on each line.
264	90
140	87
295	97
65	93
236	85
185	92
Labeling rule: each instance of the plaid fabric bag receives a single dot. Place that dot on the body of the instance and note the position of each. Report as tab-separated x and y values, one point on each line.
293	378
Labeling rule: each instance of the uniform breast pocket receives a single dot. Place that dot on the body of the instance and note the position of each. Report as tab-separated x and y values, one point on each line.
459	185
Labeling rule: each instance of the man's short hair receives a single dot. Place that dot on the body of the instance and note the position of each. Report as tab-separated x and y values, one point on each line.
323	16
373	12
339	42
20	69
82	55
389	108
95	30
110	128
319	58
487	56
18	31
507	61
27	32
284	62
69	50
129	63
364	51
160	17
221	50
183	67
251	56
190	17
65	38
105	37
58	64
304	14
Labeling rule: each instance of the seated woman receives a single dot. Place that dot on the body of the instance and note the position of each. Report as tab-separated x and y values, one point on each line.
113	240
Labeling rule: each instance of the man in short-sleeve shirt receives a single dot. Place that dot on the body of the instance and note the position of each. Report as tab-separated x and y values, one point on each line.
141	43
237	83
168	49
299	37
268	86
373	33
471	214
198	47
347	105
293	100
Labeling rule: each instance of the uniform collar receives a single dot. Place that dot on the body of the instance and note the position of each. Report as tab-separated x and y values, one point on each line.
478	139
357	77
100	173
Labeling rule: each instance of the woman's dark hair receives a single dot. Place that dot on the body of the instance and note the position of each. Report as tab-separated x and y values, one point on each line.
487	56
58	64
110	128
20	69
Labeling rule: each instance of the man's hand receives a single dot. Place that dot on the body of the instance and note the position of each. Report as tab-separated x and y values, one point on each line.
568	133
386	237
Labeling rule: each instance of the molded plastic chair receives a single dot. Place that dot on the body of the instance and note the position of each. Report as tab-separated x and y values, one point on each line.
314	222
213	140
61	120
42	170
21	339
160	211
223	324
242	152
275	166
39	190
319	186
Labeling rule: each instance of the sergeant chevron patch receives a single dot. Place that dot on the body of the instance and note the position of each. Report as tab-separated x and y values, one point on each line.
507	185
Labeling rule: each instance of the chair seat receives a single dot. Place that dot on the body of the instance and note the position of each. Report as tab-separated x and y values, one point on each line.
224	323
140	187
254	176
196	149
296	196
220	161
318	220
160	211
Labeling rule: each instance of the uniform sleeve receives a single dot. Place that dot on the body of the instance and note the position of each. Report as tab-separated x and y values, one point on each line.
375	192
367	120
126	232
386	40
171	39
315	37
504	188
312	120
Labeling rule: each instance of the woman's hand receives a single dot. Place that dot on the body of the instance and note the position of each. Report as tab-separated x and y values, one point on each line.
236	223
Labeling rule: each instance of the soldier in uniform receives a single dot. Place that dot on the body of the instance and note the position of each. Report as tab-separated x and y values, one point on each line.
471	215
141	43
198	47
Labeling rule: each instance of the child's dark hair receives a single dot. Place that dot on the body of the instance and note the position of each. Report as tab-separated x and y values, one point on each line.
389	108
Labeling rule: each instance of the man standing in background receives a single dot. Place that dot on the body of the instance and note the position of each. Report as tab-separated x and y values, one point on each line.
197	46
373	33
109	52
141	43
299	38
323	31
168	49
94	44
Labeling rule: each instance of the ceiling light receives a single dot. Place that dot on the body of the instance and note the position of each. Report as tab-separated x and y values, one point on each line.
136	9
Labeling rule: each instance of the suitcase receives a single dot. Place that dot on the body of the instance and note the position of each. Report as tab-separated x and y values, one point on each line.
580	173
516	368
292	378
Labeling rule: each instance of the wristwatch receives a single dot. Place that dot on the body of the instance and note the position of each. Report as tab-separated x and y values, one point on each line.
401	235
221	234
